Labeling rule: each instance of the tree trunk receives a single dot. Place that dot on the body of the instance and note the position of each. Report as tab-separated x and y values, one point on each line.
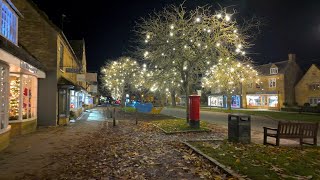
187	89
229	98
173	98
123	98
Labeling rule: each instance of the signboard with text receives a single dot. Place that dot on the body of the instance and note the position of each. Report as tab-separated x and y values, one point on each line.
72	70
81	77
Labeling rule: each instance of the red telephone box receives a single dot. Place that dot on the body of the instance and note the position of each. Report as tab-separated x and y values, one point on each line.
194	109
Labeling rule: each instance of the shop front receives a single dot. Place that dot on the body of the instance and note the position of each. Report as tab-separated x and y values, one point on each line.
262	101
221	101
80	100
23	98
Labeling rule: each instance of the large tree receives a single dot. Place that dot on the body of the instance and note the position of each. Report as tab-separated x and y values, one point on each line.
187	43
121	76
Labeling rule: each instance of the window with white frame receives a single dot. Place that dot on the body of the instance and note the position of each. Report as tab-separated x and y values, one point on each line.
272	82
274	70
314	101
9	24
23	97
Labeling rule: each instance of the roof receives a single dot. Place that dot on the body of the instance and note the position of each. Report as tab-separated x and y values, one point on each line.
77	46
265	68
20	52
14	8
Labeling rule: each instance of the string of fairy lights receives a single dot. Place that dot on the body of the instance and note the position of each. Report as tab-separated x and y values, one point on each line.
121	72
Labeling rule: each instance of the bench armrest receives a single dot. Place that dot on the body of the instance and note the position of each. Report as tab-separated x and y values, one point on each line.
273	129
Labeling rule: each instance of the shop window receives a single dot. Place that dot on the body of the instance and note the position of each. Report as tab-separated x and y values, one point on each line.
4	73
216	101
14	97
8	23
235	101
273	101
23	97
314	101
74	99
253	100
274	70
272	82
29	97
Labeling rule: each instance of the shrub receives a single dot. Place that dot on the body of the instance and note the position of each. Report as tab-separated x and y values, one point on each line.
306	104
72	114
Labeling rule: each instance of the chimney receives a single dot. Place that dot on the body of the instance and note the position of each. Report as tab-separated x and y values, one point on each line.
292	57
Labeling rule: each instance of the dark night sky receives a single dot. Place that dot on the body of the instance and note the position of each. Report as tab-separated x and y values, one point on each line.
291	25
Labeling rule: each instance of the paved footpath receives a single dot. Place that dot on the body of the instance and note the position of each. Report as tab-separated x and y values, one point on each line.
30	153
219	118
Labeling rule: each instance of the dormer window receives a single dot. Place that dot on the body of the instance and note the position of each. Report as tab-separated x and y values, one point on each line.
9	24
274	70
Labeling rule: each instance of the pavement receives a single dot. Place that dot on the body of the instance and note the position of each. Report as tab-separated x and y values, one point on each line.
219	118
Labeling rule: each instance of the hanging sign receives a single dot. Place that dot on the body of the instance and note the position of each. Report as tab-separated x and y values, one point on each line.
81	77
72	70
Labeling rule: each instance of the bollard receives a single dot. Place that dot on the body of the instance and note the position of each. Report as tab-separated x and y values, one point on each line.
114	116
136	114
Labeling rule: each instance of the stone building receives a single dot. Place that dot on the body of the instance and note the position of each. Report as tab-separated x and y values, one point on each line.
19	73
277	85
49	45
308	88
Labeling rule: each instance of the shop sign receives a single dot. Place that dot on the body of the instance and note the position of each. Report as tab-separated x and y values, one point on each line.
91	77
28	67
72	70
93	88
81	77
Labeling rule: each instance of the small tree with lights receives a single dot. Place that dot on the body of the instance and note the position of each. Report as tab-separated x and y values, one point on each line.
228	75
189	42
121	75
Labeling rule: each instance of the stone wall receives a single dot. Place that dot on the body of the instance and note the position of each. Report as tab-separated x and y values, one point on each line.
23	127
36	34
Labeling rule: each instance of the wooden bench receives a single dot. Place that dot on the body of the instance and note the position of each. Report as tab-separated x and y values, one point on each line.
292	130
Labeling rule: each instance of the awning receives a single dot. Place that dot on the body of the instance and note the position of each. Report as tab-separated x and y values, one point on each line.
64	83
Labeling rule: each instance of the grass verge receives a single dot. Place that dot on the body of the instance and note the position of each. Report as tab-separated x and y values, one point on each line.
289	116
179	125
265	162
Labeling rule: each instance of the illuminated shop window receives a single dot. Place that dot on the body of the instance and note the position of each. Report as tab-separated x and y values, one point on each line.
8	23
262	100
74	99
23	97
14	103
4	89
273	101
29	96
